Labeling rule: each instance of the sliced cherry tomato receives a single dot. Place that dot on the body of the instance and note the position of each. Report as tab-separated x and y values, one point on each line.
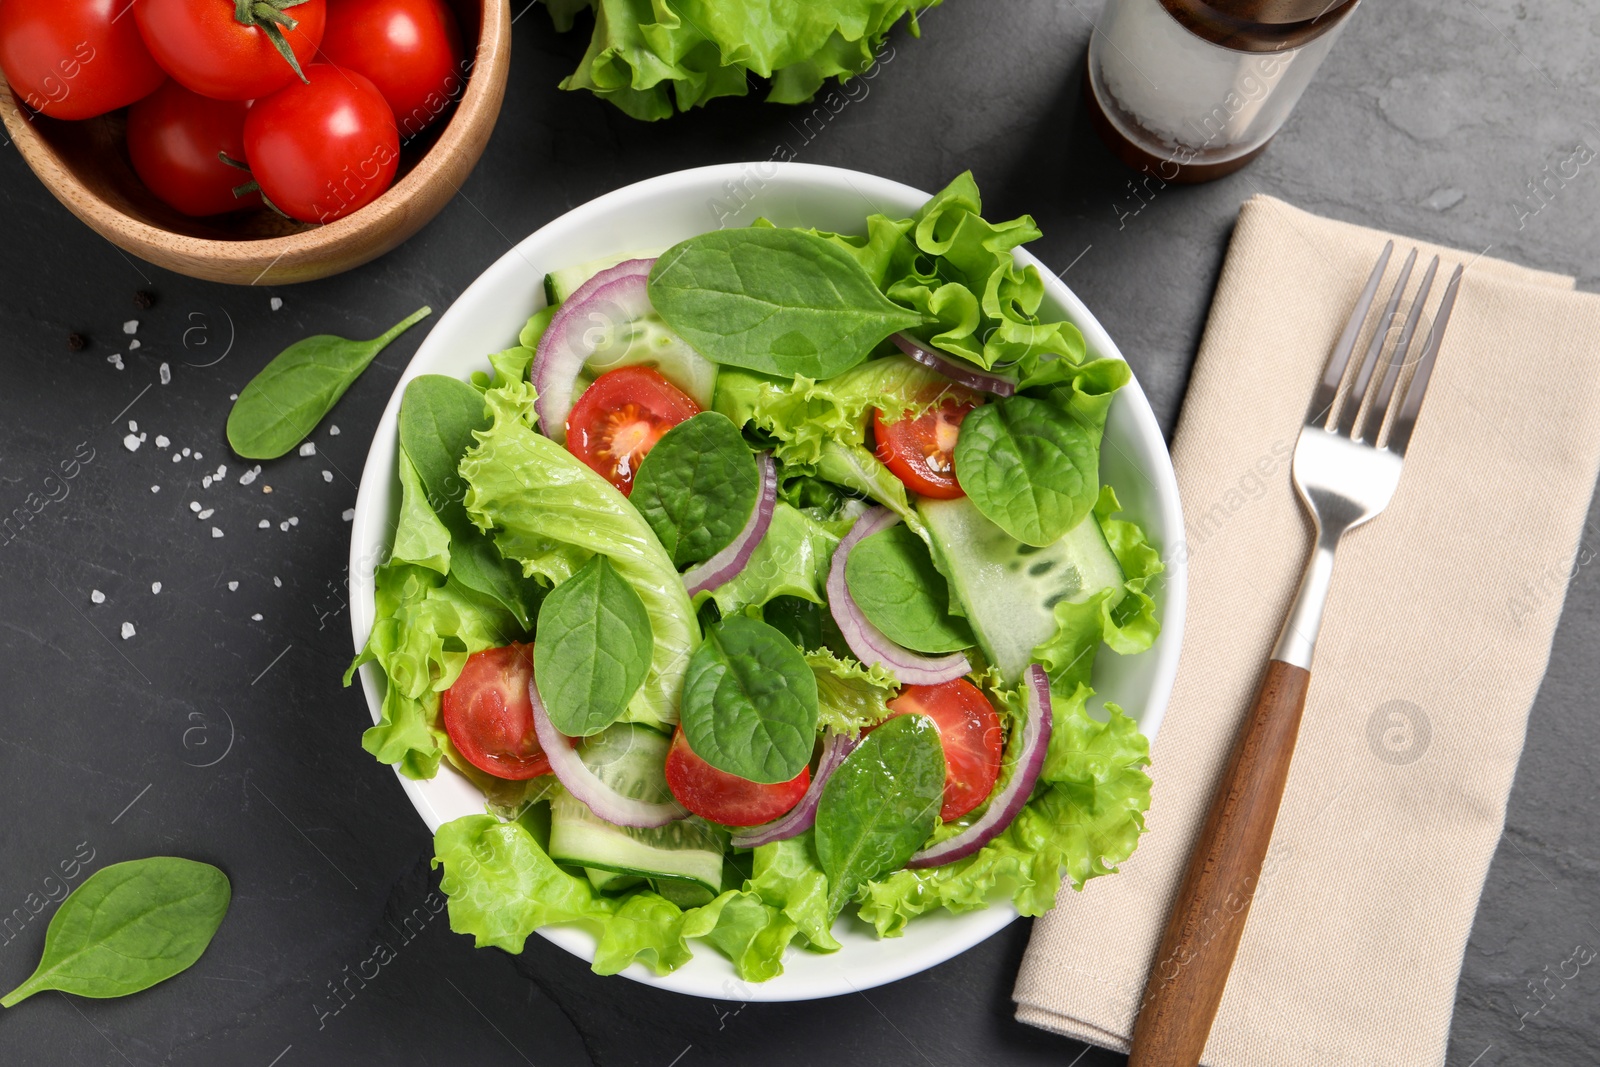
726	798
489	718
203	45
174	136
921	451
411	49
74	59
323	149
970	732
621	417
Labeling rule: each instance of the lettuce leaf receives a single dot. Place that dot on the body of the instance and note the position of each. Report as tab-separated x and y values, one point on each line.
546	509
426	626
1085	817
792	560
646	56
850	697
788	877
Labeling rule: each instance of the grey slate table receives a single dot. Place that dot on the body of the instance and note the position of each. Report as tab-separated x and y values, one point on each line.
219	731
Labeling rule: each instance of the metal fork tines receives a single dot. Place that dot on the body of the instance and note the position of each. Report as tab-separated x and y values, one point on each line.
1346	467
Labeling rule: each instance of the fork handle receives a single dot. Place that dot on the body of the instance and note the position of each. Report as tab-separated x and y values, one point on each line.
1208	917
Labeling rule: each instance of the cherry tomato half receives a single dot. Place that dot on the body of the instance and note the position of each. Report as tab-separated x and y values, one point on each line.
323	149
202	45
921	451
620	418
74	59
411	49
970	732
174	136
726	798
489	717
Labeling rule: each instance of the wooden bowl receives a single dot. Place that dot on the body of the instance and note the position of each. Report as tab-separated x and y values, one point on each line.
85	164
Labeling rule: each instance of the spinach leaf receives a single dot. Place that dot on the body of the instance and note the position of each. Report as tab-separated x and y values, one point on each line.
438	415
879	806
129	926
750	702
1032	469
593	651
697	487
291	394
775	300
893	581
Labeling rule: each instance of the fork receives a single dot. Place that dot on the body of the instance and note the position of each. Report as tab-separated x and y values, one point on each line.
1345	469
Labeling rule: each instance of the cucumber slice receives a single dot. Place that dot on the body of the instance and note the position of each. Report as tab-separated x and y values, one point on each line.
646	342
684	894
610	881
631	759
1010	589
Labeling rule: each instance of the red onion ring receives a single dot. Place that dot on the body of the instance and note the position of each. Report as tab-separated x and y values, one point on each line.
584	784
835	747
869	643
1004	805
726	565
614	296
953	367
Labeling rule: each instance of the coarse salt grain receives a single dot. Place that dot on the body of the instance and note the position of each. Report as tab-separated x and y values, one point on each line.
199	455
233	587
131	326
277	581
177	457
133	427
186	451
327	476
206	514
283	526
308	449
155	489
205	483
250	475
294	520
264	524
233	396
166	374
256	617
133	344
215	532
96	596
127	630
349	515
155	587
275	303
131	442
333	431
115	359
194	506
162	441
222	471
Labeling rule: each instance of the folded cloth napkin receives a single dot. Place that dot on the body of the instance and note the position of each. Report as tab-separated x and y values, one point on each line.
1436	635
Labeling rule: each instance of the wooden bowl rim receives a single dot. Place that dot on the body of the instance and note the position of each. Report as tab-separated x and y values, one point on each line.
489	65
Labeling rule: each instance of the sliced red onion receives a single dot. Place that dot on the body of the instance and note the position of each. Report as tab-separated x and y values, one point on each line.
600	305
726	565
799	819
867	641
954	368
1004	805
584	784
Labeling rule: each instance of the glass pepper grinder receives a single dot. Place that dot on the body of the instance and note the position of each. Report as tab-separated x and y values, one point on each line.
1190	90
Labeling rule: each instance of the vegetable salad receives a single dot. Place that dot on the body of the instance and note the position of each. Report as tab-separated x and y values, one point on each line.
760	584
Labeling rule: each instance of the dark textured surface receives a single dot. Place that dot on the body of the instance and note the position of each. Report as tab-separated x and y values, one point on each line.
1429	118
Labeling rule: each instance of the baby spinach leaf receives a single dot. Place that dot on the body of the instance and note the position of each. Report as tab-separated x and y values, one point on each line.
1032	469
750	702
879	806
593	651
775	300
129	926
697	487
284	402
893	581
438	415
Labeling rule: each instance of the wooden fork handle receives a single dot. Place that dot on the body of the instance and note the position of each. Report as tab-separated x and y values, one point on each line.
1208	917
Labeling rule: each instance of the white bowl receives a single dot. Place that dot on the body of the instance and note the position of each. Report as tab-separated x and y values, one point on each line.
660	212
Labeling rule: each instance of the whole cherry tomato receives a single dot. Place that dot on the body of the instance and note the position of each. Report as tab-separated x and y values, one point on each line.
74	59
204	45
323	149
174	137
411	49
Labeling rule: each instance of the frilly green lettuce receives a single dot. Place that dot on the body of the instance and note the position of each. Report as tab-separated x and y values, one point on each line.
791	560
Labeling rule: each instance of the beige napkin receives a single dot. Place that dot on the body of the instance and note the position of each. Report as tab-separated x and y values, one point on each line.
1434	642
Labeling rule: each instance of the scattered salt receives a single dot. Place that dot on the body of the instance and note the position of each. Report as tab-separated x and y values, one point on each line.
276	302
349	515
127	630
155	587
250	475
283	526
186	451
194	506
308	449
199	455
277	581
96	596
155	489
256	617
264	524
133	344
333	431
327	476
142	436
177	457
294	520
133	427
215	533
205	483
162	441
233	396
131	326
131	442
222	471
233	587
115	359
206	514
166	374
